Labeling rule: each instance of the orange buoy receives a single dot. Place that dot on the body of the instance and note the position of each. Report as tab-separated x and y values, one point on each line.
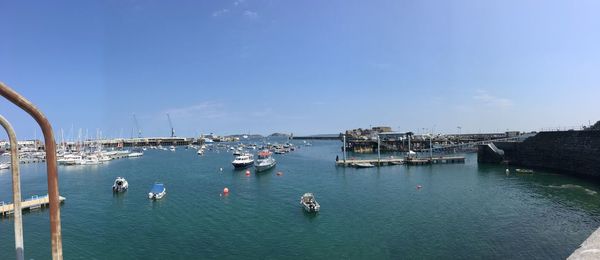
226	190
247	172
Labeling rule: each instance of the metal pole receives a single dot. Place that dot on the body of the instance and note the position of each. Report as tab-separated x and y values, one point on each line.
430	147
344	148
16	186
378	151
50	145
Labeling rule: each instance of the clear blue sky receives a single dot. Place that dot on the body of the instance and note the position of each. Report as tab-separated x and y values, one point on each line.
306	67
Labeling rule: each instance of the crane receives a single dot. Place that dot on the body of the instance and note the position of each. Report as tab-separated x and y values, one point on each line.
137	126
171	124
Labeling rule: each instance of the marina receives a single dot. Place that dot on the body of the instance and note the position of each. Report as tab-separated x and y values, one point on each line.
197	209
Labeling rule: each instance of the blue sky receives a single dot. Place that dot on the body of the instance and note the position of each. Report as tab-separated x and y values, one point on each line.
306	67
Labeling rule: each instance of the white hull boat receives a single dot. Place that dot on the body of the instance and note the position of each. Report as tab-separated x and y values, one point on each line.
120	185
265	161
309	203
243	161
157	191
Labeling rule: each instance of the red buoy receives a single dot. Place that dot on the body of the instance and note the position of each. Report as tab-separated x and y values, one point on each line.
247	172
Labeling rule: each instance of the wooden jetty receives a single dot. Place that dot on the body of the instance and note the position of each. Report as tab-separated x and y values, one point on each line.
397	161
35	202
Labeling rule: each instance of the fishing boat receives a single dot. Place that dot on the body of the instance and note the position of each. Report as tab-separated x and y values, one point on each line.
309	203
363	165
265	161
243	161
120	185
157	191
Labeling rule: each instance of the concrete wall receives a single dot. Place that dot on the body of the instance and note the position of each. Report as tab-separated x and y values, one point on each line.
575	152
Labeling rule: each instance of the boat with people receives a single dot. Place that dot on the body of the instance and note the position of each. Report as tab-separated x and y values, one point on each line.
120	184
243	161
309	202
264	161
157	191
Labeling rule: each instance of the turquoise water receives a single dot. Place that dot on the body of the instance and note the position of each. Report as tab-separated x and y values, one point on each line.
463	211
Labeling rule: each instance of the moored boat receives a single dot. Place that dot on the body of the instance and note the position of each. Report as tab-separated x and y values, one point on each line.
4	166
120	184
157	191
265	161
363	165
309	203
243	161
136	153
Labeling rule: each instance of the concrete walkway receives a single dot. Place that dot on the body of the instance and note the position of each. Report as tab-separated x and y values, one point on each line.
589	249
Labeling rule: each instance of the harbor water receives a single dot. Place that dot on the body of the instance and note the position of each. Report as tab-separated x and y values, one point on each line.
461	211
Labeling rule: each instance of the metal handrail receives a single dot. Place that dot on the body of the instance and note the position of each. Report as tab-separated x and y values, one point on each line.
16	187
52	175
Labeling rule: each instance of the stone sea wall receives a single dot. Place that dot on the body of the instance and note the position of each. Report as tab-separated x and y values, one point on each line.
574	152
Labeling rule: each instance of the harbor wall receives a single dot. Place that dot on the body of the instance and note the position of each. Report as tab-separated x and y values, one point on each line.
573	152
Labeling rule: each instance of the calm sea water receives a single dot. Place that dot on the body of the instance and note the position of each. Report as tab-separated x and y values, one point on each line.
463	211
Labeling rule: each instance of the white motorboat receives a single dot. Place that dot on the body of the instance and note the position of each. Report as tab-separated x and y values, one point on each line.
363	165
90	160
4	166
70	159
309	203
157	191
120	185
265	161
243	161
172	148
136	153
200	151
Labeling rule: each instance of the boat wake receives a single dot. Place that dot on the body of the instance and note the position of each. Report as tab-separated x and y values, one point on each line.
573	186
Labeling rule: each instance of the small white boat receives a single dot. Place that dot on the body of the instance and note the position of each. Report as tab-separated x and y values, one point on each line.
4	166
70	159
172	148
157	191
524	170
136	153
309	203
120	185
90	160
243	161
200	151
265	161
363	165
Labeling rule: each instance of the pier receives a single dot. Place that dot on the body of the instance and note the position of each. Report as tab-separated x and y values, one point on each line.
399	161
35	202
